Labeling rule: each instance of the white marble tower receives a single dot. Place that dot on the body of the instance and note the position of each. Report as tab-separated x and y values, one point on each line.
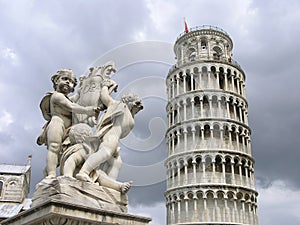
210	175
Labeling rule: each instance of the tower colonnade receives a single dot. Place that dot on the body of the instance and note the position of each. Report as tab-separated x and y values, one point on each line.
210	168
208	135
233	206
207	104
210	75
217	167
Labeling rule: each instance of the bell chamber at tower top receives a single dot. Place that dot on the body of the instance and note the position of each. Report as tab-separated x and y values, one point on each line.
203	43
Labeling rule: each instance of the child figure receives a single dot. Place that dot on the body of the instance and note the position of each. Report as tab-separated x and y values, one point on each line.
57	108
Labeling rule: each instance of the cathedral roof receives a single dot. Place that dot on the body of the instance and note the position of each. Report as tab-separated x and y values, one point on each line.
9	209
13	169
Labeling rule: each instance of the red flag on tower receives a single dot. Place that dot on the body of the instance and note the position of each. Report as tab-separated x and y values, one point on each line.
186	28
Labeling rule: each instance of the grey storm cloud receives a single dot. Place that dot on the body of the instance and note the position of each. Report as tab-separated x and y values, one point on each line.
40	37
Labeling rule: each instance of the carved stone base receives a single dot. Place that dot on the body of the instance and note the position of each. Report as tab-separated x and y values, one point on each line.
70	190
67	201
60	213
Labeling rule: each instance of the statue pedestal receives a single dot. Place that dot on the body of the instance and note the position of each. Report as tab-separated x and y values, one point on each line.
60	213
73	191
66	201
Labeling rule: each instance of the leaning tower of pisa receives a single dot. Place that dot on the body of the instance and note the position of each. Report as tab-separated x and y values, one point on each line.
210	175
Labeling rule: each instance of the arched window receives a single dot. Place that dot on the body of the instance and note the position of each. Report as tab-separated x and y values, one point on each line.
208	164
192	54
203	44
218	164
217	52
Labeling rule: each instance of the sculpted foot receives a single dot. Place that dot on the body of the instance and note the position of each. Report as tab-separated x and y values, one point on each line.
50	176
83	177
125	187
69	176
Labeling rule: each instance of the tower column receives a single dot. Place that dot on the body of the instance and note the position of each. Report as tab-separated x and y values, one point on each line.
218	114
178	210
243	211
210	107
226	210
240	172
232	172
178	113
201	108
246	117
193	108
173	88
246	176
221	138
177	84
169	119
204	209
235	214
173	144
193	136
211	137
173	175
196	213
232	83
178	174
173	116
186	202
234	110
243	143
218	79
237	140
202	133
200	81
238	85
227	108
203	172
185	138
194	171
184	110
223	171
185	172
240	112
230	137
178	139
225	81
184	83
209	80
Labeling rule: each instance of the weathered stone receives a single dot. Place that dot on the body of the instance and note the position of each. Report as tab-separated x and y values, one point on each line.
70	190
55	212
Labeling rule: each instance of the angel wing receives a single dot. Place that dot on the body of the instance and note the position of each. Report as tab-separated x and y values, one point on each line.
45	106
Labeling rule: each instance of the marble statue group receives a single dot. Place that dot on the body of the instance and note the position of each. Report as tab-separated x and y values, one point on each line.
83	131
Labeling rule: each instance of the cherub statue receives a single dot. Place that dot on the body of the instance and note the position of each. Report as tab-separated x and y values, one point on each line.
81	144
116	123
57	109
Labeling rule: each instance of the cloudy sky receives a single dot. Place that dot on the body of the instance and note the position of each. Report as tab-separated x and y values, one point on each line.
39	37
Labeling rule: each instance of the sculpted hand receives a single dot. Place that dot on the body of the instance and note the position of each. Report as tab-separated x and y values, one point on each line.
92	111
113	87
110	84
97	109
